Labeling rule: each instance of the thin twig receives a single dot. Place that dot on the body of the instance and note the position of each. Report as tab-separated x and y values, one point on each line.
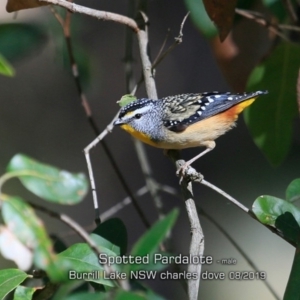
224	194
178	41
139	147
84	235
66	25
160	57
98	14
238	248
298	91
260	19
291	11
289	27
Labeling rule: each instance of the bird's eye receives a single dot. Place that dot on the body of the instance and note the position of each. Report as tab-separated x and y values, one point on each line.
138	116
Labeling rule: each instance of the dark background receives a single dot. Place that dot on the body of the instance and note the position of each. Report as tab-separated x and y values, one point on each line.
41	116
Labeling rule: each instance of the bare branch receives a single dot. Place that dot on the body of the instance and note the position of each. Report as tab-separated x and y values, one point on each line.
98	14
291	11
178	41
298	91
260	19
196	247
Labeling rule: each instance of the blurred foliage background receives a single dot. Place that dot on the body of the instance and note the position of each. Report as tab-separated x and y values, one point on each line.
41	116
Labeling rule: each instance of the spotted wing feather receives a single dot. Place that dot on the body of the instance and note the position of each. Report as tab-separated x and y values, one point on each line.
186	109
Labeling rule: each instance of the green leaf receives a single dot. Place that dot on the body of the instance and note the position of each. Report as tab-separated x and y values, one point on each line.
270	118
21	219
102	242
5	67
124	295
82	259
87	296
293	191
49	182
19	40
126	99
69	287
200	18
24	293
150	240
268	208
114	231
292	291
287	224
9	280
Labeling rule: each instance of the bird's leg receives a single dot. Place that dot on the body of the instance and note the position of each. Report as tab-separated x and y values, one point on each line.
210	145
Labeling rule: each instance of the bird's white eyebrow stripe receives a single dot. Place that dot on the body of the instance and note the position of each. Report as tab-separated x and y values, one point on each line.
141	110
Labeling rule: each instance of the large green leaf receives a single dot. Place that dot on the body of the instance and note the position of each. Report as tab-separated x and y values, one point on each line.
270	118
9	280
293	191
18	40
151	240
21	219
82	259
49	182
268	208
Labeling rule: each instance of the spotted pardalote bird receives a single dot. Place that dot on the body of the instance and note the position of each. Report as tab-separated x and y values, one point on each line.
184	121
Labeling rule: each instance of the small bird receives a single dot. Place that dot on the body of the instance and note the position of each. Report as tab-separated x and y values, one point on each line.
184	121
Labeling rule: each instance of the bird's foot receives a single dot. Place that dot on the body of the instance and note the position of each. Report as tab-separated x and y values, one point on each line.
186	171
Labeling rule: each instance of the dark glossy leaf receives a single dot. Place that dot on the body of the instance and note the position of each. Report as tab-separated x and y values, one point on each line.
24	293
222	14
268	208
150	240
287	224
292	291
58	244
200	18
9	280
114	231
19	40
49	182
270	118
5	67
21	219
293	191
